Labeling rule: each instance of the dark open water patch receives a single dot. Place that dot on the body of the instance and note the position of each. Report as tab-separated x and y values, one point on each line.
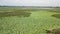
56	15
16	13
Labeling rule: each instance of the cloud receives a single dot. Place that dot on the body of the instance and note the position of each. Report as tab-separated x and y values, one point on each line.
30	2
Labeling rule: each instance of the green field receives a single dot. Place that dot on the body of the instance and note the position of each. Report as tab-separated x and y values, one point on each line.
36	23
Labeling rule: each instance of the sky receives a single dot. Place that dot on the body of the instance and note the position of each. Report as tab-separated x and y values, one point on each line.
30	2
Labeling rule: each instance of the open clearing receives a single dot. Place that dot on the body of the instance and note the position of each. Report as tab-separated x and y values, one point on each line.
37	22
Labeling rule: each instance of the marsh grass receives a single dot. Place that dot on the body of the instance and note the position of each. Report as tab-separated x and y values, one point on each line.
53	31
36	23
55	10
15	13
56	15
